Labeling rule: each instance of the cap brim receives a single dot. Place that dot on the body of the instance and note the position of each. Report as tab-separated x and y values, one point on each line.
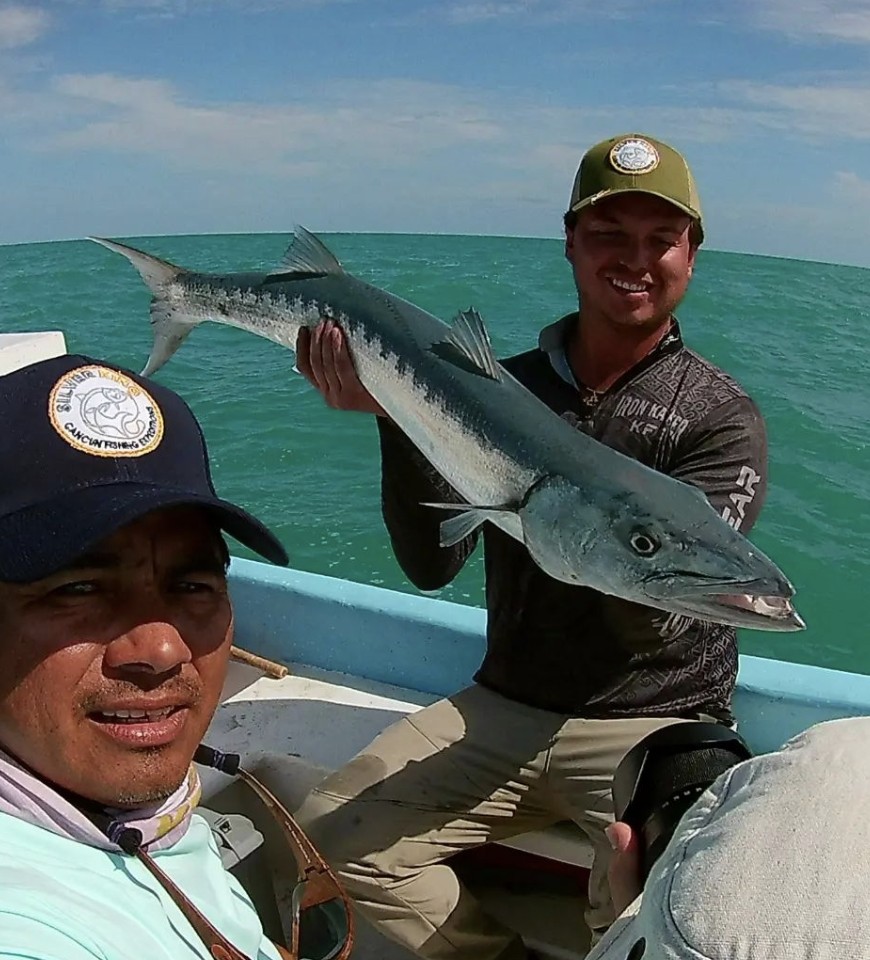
605	194
38	541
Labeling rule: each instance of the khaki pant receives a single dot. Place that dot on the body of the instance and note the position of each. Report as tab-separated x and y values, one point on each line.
464	771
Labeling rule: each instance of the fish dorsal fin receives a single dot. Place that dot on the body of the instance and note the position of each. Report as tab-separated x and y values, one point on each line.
306	256
468	334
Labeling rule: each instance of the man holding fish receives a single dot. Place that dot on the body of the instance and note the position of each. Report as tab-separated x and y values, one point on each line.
572	677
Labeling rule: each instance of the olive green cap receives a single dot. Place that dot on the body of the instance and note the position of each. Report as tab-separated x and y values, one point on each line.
636	163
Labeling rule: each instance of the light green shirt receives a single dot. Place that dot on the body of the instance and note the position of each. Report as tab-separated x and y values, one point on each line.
62	900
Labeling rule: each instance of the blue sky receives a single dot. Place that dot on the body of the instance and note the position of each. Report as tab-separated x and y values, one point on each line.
133	117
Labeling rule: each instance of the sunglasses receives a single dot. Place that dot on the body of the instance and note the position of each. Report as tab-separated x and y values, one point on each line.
321	921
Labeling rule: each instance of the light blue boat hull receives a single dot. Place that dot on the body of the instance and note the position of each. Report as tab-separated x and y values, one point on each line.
435	646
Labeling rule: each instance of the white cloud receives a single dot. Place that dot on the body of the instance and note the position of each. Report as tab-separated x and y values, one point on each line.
813	110
457	11
392	154
347	127
387	122
178	8
825	223
476	11
20	25
845	20
850	188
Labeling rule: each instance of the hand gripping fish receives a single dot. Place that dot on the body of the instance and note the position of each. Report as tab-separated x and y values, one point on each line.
587	514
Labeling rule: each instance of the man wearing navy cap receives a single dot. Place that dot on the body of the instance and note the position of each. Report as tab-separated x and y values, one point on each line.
116	627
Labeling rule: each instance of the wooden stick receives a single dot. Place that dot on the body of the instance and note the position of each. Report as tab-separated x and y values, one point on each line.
274	670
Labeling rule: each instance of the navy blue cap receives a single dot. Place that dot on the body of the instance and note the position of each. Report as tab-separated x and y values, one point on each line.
86	448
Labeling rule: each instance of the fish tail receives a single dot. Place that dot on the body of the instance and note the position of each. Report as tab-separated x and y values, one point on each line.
169	326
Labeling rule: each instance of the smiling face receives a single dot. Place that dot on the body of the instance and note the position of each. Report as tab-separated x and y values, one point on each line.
632	256
112	668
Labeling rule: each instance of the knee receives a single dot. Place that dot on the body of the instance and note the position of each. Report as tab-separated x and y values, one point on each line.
330	823
355	839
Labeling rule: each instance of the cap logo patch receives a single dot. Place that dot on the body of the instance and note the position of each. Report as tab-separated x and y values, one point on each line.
634	156
103	412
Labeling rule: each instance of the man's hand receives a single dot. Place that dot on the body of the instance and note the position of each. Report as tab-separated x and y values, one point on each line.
623	873
323	359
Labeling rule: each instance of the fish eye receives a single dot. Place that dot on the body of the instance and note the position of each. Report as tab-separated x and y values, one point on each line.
643	543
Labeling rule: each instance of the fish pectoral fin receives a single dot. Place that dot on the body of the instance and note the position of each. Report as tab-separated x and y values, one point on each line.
305	257
469	336
459	527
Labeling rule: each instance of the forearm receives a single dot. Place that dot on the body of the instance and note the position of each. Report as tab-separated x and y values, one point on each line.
408	481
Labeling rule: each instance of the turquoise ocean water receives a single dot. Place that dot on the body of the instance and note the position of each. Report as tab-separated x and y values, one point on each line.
796	334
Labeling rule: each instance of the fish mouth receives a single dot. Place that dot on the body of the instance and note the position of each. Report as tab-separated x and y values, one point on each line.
755	604
762	612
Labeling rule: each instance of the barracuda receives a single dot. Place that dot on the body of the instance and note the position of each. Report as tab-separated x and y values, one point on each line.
588	514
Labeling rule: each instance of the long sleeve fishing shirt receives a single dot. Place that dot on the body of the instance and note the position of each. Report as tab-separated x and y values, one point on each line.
571	649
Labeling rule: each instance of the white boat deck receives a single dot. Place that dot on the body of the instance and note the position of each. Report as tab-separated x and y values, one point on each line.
293	731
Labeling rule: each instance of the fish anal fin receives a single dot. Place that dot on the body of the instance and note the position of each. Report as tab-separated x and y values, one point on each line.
469	336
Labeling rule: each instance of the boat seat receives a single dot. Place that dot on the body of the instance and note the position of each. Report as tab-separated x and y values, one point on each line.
294	731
